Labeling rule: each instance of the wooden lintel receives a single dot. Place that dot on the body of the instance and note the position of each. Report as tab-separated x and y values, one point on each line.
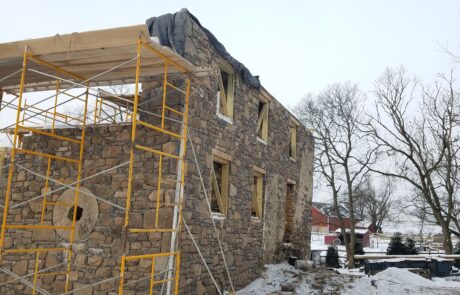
259	170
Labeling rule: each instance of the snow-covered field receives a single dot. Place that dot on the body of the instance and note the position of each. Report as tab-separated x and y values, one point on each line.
284	277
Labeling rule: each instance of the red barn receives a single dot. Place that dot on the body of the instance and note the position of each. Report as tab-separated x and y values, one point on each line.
325	221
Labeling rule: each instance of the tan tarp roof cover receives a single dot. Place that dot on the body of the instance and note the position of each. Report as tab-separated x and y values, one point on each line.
86	54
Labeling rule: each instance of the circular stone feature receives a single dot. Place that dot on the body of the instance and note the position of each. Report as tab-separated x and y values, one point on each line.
86	215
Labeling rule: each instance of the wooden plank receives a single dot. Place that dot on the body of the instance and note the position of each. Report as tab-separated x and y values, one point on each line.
260	195
261	117
104	66
224	188
254	196
265	124
259	170
223	95
216	189
293	141
220	156
230	95
86	53
114	37
294	121
226	66
258	174
92	55
266	96
121	53
291	181
126	73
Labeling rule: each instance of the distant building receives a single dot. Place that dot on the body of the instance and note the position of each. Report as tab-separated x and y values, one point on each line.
326	225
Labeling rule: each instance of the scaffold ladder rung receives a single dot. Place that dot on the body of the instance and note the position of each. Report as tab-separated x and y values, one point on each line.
152	230
38	226
54	157
175	87
37	131
35	250
140	147
148	125
174	110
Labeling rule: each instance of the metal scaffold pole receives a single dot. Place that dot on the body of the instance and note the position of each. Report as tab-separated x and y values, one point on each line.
173	265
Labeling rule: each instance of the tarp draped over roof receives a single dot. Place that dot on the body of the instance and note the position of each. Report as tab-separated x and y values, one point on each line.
170	30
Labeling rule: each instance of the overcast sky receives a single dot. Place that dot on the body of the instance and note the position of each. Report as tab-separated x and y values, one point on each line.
294	46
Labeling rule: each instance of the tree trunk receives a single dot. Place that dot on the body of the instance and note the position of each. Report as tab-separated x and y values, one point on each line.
447	243
351	254
341	224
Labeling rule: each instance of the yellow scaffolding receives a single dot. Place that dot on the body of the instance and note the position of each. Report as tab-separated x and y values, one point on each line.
181	173
51	116
16	150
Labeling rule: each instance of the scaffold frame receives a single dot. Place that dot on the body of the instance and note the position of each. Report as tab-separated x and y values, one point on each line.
51	115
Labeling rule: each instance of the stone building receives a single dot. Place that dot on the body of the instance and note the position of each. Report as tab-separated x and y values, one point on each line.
255	162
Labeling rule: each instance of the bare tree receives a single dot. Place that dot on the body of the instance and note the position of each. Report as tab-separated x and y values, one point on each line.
423	146
422	212
376	205
342	154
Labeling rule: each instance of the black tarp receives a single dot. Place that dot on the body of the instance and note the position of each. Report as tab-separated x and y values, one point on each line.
170	30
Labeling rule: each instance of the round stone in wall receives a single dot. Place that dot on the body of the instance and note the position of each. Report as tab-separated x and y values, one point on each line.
86	217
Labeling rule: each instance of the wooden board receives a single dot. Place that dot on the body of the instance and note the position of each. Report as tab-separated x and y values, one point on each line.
87	54
76	41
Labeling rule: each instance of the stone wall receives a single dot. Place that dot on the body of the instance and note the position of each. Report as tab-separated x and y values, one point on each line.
98	249
248	242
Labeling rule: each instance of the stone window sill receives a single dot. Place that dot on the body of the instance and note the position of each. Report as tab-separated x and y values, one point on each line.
256	219
225	118
261	140
217	215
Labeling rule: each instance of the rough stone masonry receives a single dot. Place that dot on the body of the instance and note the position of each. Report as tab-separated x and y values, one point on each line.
248	242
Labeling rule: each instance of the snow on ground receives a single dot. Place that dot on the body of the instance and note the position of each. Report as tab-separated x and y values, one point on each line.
400	281
284	276
271	280
347	282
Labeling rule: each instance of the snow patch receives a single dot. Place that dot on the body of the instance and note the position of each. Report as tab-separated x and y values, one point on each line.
400	281
346	282
271	280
